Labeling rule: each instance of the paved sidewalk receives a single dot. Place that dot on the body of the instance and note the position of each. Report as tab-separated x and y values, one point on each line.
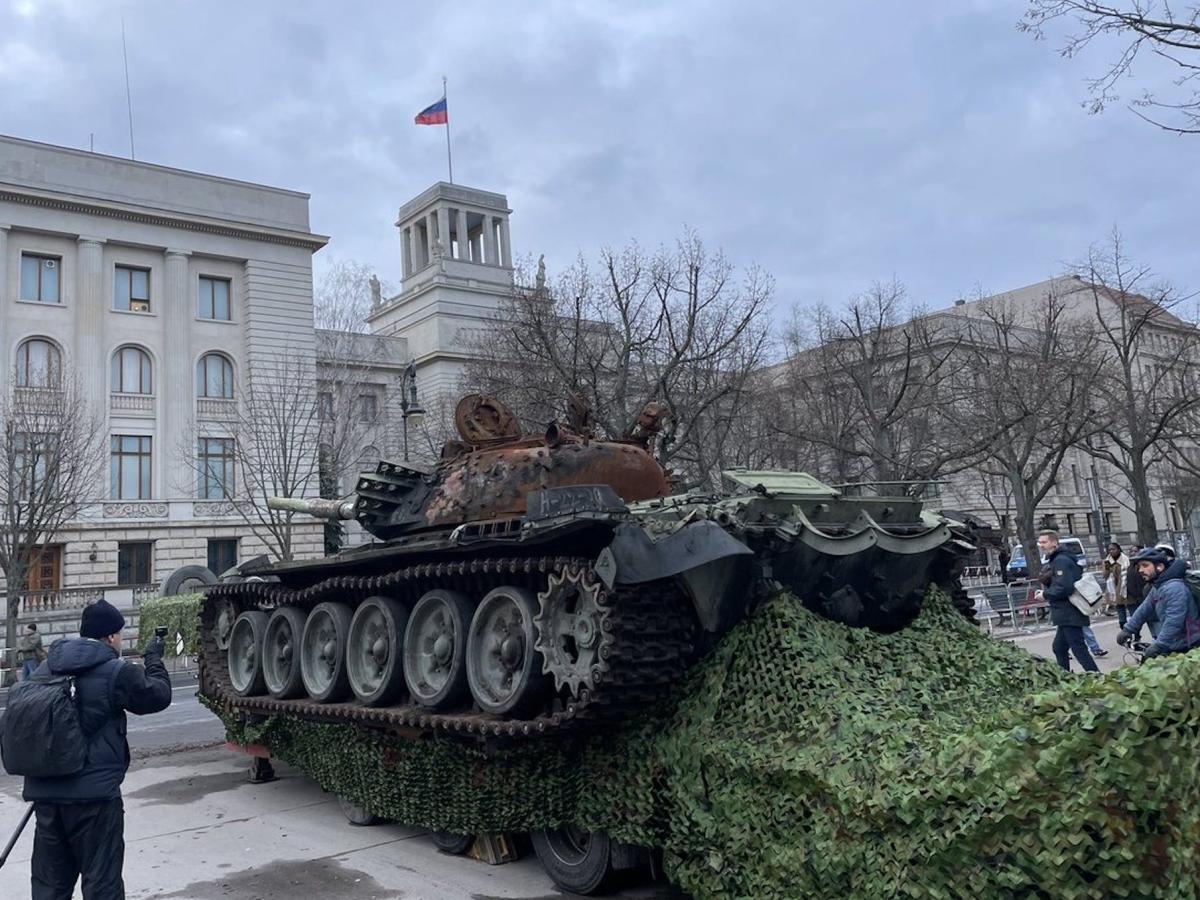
196	829
1106	633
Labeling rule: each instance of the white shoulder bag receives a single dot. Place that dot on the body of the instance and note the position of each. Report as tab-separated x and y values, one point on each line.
1087	594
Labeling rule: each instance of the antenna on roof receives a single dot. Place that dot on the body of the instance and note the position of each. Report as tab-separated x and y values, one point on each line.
128	96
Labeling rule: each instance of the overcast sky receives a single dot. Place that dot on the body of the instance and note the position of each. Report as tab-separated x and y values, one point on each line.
833	144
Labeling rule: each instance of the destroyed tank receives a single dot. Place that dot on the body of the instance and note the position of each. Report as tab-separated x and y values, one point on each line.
528	585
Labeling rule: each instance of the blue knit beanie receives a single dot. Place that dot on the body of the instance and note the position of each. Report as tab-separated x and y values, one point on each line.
100	619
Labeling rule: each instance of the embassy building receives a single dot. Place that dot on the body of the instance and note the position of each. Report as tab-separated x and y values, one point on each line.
159	291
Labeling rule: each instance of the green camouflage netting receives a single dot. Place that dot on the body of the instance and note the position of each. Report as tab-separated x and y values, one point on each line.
803	758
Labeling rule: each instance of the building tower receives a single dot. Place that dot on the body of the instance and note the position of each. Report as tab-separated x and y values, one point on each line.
457	265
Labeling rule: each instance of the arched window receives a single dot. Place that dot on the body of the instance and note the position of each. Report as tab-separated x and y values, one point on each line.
131	371
39	364
214	377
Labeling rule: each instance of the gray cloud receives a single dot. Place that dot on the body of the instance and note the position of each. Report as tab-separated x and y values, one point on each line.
831	145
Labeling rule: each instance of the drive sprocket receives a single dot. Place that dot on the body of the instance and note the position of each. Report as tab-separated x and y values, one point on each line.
574	629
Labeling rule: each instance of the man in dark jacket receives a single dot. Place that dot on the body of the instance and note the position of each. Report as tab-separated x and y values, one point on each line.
80	817
1063	572
1169	600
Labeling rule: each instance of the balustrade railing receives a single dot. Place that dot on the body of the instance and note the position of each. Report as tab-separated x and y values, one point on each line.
79	597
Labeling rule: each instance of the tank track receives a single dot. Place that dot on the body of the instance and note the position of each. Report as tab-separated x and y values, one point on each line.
652	642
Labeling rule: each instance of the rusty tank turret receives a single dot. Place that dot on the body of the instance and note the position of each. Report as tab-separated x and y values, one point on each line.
529	584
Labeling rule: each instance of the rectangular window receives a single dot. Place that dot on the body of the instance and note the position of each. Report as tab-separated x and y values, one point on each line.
130	467
131	290
325	406
39	278
134	562
214	298
222	554
1070	523
368	408
32	456
216	469
1108	523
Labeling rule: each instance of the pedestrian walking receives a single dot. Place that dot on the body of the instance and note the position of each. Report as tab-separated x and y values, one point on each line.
80	818
1115	565
1170	600
30	651
1062	572
1005	558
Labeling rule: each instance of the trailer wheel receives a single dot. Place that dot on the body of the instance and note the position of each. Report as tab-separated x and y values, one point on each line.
355	814
577	861
454	844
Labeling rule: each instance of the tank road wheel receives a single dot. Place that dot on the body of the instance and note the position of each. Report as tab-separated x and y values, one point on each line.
454	844
578	861
504	667
323	652
435	649
355	814
373	657
281	653
573	630
226	615
245	653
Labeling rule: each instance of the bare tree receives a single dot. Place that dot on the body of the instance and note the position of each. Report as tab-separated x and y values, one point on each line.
1168	31
678	326
52	452
873	390
343	296
1141	395
269	448
1029	375
301	423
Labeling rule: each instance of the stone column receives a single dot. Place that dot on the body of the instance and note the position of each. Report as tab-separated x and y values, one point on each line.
413	254
430	234
489	241
443	220
464	244
5	299
406	262
505	247
173	381
93	297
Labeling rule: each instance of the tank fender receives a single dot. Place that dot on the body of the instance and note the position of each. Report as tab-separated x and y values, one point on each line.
708	559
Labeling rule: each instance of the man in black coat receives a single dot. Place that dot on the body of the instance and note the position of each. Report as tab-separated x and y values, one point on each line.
1135	591
80	817
1063	571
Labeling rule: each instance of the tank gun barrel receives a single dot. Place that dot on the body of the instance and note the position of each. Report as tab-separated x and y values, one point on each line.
317	507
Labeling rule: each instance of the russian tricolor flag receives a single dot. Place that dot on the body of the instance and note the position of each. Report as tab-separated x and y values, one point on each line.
437	114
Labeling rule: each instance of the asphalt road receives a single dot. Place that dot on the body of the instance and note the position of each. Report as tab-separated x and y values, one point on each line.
184	724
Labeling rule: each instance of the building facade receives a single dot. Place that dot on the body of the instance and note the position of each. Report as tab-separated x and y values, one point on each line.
163	291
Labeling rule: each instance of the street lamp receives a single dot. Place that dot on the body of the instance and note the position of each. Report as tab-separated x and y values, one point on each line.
410	407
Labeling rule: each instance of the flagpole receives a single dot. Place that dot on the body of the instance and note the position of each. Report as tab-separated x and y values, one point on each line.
449	160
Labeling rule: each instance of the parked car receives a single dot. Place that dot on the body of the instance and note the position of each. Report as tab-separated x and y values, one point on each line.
1017	567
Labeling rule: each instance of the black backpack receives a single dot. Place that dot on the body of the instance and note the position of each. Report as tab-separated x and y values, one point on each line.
1191	626
41	734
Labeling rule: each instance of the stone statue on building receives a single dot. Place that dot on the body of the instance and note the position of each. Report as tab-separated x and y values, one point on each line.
376	293
540	280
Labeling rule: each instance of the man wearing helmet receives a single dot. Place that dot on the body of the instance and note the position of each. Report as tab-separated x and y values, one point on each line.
1169	601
